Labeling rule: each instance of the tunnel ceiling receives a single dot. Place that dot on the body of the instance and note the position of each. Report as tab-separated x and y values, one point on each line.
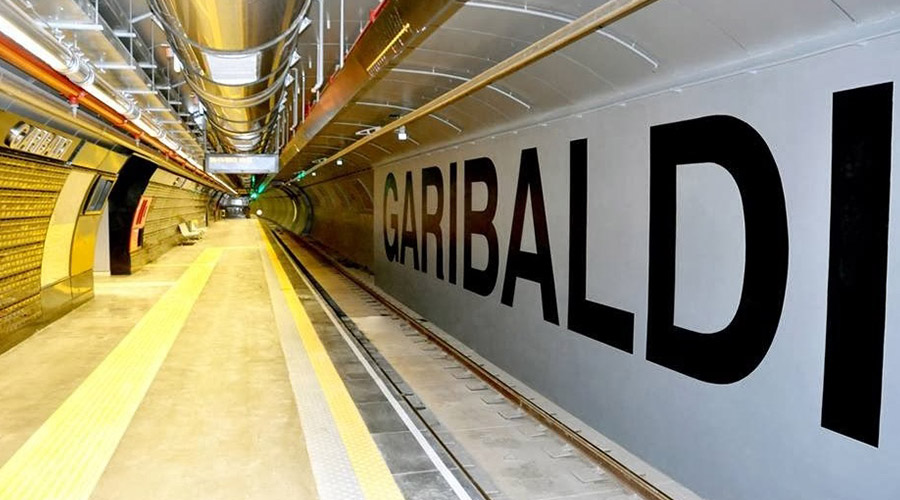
119	53
222	75
667	41
235	57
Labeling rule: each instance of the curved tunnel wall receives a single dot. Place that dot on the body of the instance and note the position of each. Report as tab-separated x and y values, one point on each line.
607	258
173	200
28	192
53	192
170	200
47	235
342	214
286	206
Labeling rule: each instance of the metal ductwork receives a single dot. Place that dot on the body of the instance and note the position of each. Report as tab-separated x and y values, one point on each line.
77	45
236	55
395	27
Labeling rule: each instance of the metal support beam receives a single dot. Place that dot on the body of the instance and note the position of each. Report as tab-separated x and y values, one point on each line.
295	112
341	64
320	49
303	96
597	18
353	78
631	46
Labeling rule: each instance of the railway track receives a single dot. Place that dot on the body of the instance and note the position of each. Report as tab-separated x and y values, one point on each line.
528	452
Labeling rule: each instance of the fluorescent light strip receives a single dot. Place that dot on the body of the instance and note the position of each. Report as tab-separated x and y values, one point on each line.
17	35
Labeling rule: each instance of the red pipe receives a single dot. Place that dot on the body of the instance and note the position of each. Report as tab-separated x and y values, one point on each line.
19	57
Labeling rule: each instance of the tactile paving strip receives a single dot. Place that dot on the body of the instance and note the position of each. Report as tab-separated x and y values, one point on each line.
66	456
327	407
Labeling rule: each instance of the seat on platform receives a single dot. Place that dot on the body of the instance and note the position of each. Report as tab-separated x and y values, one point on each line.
188	237
195	226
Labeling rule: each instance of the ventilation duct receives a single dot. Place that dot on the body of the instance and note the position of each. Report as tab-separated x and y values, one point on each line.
235	56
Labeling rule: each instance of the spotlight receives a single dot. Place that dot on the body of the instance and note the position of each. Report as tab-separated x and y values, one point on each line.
340	161
401	133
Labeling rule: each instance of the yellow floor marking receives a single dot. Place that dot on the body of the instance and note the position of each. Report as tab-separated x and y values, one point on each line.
65	458
371	470
132	284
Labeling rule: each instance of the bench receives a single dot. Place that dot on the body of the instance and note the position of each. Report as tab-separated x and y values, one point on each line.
195	227
188	237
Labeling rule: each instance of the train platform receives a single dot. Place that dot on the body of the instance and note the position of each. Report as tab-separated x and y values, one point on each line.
245	367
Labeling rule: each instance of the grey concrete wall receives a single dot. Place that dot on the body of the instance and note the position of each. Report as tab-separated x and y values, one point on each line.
759	434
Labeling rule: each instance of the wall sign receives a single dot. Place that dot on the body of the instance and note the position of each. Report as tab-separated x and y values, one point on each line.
32	139
241	164
704	277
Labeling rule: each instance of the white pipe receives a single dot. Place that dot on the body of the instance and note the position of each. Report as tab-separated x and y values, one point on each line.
295	113
303	96
565	19
82	74
342	35
320	49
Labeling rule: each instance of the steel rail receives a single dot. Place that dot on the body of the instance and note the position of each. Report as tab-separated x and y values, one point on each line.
585	25
630	478
348	324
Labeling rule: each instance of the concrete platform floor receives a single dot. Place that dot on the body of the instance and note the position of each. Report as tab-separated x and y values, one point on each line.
219	419
217	372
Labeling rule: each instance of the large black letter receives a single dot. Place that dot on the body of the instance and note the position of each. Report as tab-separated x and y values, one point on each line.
600	322
431	223
452	259
857	267
537	267
480	281
410	238
735	351
390	244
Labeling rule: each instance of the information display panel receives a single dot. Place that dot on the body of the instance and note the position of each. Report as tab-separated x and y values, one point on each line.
241	164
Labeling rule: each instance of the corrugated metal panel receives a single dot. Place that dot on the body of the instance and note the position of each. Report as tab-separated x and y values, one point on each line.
20	313
28	191
170	206
18	232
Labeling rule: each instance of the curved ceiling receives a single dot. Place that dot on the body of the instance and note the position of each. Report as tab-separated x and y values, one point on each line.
668	41
235	57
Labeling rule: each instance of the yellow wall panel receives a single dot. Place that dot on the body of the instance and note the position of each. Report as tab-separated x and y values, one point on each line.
58	245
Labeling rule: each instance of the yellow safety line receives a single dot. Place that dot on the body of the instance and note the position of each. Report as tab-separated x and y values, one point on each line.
66	456
371	470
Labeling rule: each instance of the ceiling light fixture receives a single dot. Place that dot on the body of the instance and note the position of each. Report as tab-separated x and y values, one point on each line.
233	69
401	133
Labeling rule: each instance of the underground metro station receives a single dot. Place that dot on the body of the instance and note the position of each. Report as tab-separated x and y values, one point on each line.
449	249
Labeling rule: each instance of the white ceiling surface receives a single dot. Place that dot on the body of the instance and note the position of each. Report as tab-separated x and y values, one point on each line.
668	40
356	15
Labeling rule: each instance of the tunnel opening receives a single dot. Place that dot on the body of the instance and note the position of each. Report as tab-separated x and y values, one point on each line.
126	197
